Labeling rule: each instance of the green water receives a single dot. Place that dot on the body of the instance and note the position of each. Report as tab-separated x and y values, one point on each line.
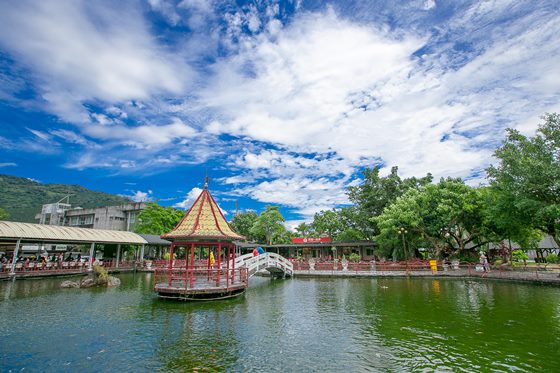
352	325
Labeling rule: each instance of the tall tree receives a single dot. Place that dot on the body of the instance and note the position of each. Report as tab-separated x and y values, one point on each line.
376	193
327	223
449	215
269	224
243	222
528	176
156	219
304	229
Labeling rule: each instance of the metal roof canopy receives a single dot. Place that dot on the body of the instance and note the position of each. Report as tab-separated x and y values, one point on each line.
154	239
28	232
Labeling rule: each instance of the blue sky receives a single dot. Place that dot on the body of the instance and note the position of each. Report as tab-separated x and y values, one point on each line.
283	102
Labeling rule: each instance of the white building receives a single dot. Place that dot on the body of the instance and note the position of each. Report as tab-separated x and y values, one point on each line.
118	218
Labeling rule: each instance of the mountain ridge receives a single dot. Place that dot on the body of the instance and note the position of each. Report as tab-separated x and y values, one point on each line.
23	198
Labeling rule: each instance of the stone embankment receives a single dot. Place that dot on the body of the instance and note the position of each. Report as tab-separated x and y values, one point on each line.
531	275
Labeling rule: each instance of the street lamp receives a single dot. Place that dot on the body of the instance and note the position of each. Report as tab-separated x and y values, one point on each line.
402	231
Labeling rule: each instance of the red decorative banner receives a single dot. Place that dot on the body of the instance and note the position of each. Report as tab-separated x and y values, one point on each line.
311	240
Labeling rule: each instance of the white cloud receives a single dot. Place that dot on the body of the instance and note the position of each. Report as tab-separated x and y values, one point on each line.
191	196
142	136
305	104
82	51
72	137
140	196
429	4
329	86
167	9
8	164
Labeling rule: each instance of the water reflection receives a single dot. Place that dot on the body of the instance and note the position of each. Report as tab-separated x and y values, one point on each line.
295	325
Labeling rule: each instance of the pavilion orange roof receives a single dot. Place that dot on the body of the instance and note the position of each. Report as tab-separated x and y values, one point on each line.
203	221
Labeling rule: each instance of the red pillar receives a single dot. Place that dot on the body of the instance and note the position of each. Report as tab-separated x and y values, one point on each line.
219	263
170	270
187	264
208	264
227	266
233	266
192	265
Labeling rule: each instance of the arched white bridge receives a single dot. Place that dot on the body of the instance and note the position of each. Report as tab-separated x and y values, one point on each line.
277	265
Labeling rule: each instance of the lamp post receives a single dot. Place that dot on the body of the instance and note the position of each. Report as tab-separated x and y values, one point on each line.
402	231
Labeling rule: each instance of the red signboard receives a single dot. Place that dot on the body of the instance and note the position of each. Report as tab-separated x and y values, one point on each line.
311	240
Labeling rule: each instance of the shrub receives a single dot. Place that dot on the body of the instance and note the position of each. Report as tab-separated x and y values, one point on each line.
101	273
354	257
552	258
518	255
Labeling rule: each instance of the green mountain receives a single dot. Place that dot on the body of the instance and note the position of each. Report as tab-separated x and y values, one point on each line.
23	198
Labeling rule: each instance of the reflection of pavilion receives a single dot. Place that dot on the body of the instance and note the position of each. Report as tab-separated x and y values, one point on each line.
203	233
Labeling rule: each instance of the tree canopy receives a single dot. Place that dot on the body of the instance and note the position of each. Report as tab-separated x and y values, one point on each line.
376	193
243	222
527	178
156	219
269	224
448	215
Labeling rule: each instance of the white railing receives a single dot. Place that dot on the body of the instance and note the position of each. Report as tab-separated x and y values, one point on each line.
269	261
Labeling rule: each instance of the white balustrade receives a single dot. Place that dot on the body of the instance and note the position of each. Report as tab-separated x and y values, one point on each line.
264	261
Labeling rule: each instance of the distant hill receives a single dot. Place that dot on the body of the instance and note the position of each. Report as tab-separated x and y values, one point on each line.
23	198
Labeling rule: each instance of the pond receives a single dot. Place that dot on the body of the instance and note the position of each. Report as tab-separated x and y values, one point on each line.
316	324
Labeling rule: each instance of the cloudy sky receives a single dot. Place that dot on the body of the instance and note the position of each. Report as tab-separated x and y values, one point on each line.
282	102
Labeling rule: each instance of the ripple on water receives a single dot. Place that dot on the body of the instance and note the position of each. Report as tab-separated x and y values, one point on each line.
294	325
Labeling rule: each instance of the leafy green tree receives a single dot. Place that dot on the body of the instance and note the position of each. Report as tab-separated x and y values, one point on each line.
3	214
304	229
327	223
502	225
156	219
376	193
269	224
527	177
449	216
339	224
243	222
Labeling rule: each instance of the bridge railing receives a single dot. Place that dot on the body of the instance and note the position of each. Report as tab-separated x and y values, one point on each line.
200	278
264	261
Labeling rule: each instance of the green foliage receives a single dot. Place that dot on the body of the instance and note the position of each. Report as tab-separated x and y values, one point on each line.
527	178
156	219
4	214
166	256
519	255
101	273
448	216
327	223
23	198
304	230
270	225
354	257
243	222
376	193
552	258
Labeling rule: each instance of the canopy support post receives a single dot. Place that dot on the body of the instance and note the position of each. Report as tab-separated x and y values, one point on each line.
118	255
14	258
91	253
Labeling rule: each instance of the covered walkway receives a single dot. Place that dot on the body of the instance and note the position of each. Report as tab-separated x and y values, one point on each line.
15	234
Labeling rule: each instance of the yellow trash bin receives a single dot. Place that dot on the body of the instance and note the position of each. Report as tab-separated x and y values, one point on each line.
433	266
